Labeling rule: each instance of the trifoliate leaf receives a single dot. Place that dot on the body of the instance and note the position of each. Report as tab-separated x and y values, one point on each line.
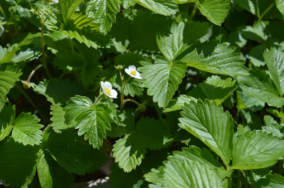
178	103
119	179
215	10
256	149
26	129
7	116
171	45
92	121
50	174
17	162
103	12
67	150
275	62
260	86
9	74
129	151
58	91
223	60
164	7
211	125
168	74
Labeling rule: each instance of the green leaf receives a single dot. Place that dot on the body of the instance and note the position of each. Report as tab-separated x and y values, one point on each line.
184	1
119	179
67	150
223	60
7	116
182	173
275	63
217	89
127	3
211	125
68	8
171	45
17	163
280	6
272	181
156	176
164	7
178	103
58	120
9	75
130	150
255	32
260	86
26	129
58	91
92	121
50	174
168	74
84	30
256	149
133	87
246	4
103	12
215	10
256	55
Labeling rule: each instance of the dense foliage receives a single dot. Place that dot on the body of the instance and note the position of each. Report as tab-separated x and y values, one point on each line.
174	93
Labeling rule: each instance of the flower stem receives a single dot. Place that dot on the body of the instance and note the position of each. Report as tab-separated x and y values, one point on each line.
267	10
99	98
42	45
193	12
32	103
32	73
122	91
131	100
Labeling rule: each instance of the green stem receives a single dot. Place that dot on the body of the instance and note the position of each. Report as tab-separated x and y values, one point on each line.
131	100
3	13
122	90
32	73
32	103
42	45
266	11
193	12
99	98
71	44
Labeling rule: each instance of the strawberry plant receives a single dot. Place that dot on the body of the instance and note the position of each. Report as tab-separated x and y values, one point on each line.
144	93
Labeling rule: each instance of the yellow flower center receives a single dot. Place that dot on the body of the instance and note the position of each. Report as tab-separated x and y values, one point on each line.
133	73
107	90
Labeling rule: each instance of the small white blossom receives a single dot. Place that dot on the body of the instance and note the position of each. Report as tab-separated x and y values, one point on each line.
133	72
107	89
1	30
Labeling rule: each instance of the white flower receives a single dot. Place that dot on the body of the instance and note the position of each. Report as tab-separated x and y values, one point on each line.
107	88
133	72
55	1
1	30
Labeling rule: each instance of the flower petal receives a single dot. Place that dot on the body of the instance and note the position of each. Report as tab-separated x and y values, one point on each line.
138	75
113	94
108	85
102	85
132	67
128	72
